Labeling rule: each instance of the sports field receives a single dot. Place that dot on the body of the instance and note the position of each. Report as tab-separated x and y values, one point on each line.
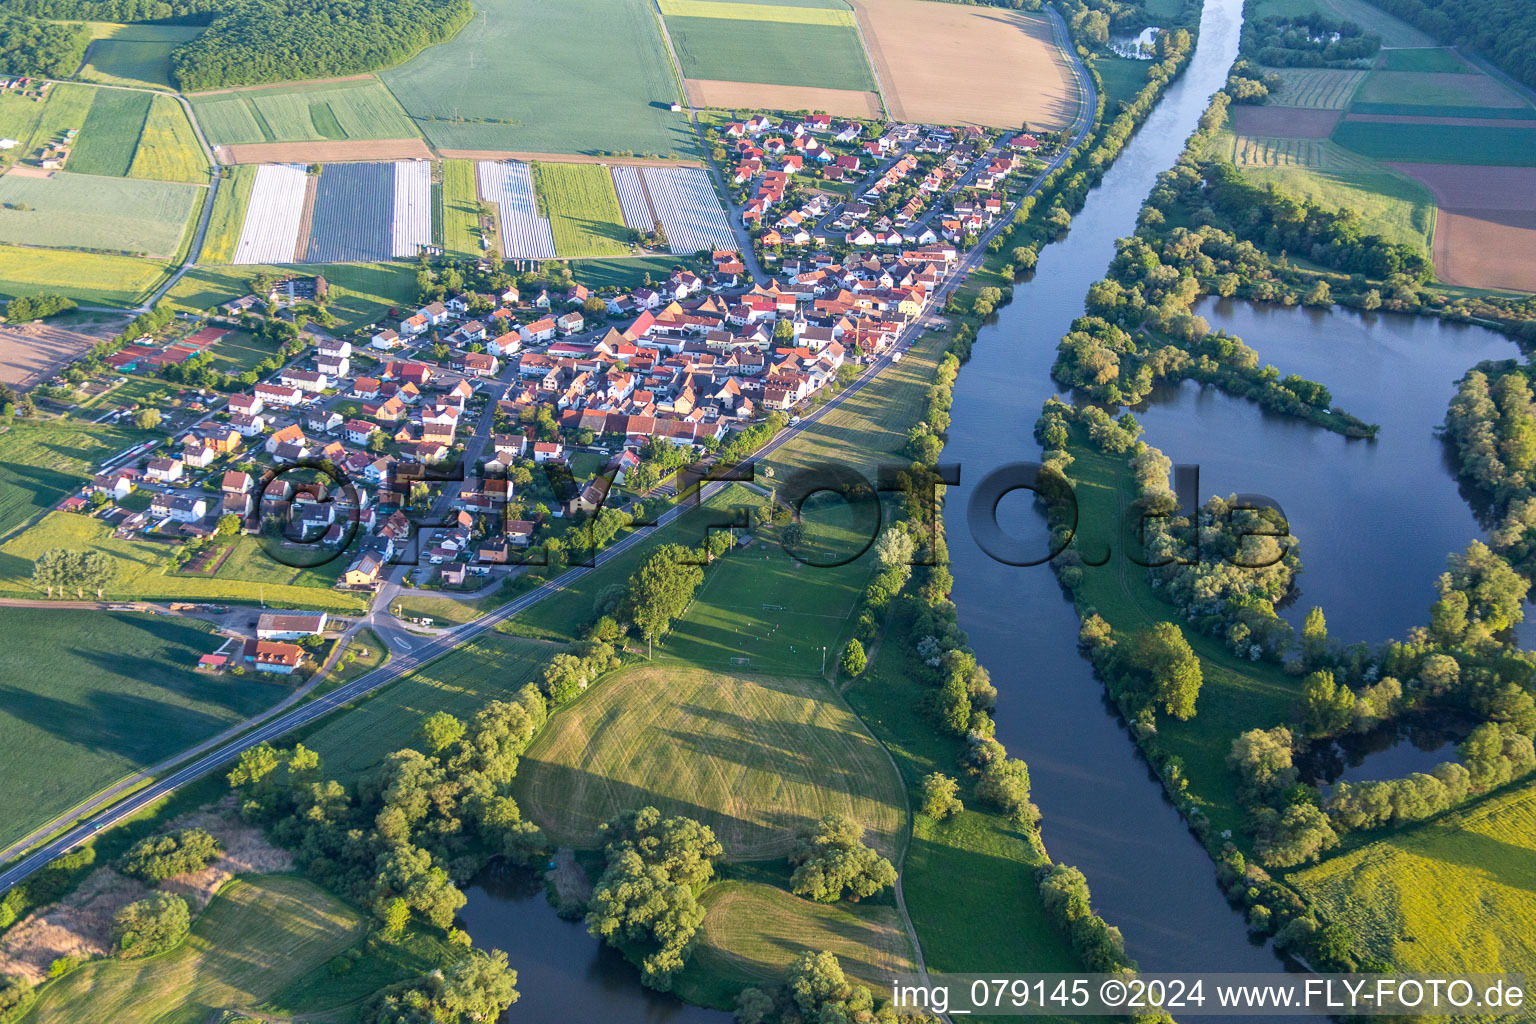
134	54
168	149
944	63
337	110
753	757
461	208
259	934
751	933
80	211
110	133
582	208
95	696
1316	88
820	54
581	76
86	277
1458	893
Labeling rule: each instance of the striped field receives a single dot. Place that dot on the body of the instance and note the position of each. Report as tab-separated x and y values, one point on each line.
1315	88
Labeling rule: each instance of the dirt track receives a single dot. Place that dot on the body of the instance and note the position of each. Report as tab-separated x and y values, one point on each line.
1284	122
322	152
752	95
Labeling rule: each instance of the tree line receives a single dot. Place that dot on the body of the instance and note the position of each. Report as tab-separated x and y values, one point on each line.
1310	40
30	46
1504	30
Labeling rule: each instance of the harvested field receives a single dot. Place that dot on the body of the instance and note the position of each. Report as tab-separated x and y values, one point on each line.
1485	122
1284	122
271	231
82	211
753	757
1318	88
32	352
689	210
735	95
353	208
943	63
1486	233
323	152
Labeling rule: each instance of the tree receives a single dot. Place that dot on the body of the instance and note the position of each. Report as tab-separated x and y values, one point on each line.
1263	763
1326	706
147	419
939	796
1164	653
831	859
377	440
1284	839
440	731
660	590
48	570
94	570
150	926
854	660
1004	784
156	858
229	525
894	548
479	987
395	915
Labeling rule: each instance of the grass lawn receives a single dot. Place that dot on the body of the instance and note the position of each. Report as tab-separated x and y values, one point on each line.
751	933
754	757
110	133
19	116
258	935
1426	59
771	52
367	652
1373	19
488	667
168	149
1455	893
1440	143
42	462
228	216
134	54
582	76
79	211
583	209
238	351
361	293
93	697
143	569
445	611
461	208
1123	78
355	109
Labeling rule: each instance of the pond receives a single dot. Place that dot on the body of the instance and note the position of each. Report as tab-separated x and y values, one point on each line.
1415	743
1137	47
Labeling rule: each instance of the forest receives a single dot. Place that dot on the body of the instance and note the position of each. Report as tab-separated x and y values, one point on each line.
32	47
1503	30
250	42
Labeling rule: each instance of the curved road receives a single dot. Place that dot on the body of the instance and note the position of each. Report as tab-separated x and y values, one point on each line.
411	651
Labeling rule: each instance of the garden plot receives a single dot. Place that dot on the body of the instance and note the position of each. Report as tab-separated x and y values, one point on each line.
524	234
411	227
632	198
271	231
689	210
353	215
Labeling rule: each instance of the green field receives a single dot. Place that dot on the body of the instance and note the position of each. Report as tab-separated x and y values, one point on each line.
124	696
581	76
1123	78
143	569
735	10
1425	59
19	116
228	215
627	273
461	208
361	293
1457	893
1439	143
239	351
583	209
1435	89
753	757
92	278
42	463
78	211
258	935
1315	88
134	54
771	52
67	107
751	933
110	133
360	109
168	149
486	668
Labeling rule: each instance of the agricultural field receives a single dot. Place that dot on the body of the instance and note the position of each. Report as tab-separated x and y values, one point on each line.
461	209
1435	89
229	206
257	936
67	107
97	696
525	232
821	51
1390	204
689	209
87	277
1284	122
338	110
522	78
273	216
354	204
42	463
1315	88
110	133
942	63
1447	144
634	203
704	92
751	933
19	116
134	54
1456	893
168	149
753	757
79	211
1394	33
488	667
1485	235
1434	59
582	208
410	222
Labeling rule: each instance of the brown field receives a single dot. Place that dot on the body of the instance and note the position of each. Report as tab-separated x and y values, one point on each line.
1485	122
30	353
1485	234
563	158
1284	122
751	95
28	171
959	64
322	152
